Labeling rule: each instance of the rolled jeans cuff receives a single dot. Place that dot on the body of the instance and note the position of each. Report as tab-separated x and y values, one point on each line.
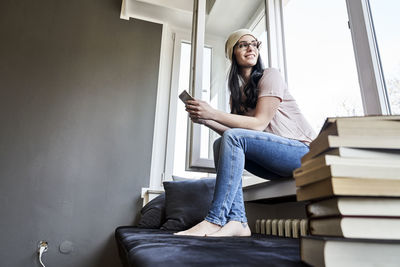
238	219
214	221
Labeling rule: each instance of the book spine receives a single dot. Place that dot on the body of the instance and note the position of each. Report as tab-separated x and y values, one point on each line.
344	186
315	190
376	128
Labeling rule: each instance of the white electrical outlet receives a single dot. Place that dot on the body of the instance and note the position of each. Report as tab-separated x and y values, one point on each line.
43	244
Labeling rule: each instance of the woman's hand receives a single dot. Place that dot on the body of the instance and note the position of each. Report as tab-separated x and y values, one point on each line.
199	109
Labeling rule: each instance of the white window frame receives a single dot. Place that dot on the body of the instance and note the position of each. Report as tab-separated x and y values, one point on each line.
179	37
370	74
275	36
194	162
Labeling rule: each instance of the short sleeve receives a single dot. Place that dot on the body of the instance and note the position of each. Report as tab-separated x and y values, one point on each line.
272	84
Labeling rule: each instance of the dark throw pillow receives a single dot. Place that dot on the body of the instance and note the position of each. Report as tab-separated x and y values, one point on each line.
187	202
153	213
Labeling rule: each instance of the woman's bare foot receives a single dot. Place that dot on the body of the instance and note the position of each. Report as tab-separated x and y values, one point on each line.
233	228
201	229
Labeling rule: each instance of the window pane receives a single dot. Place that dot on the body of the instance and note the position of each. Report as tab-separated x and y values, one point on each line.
261	33
205	151
182	118
322	73
386	23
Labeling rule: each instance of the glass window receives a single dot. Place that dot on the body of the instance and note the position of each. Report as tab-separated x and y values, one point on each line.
322	73
261	34
206	134
386	22
182	117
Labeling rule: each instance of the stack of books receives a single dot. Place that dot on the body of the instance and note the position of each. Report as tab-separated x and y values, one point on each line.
351	175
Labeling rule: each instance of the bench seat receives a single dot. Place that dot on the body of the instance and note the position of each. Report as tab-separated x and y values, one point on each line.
153	247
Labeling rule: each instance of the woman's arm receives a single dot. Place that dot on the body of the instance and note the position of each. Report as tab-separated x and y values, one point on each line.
264	112
213	125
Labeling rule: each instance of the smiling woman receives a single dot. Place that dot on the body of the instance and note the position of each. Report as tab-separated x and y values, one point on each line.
264	133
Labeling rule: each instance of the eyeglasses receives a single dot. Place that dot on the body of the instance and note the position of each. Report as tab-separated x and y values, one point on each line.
245	45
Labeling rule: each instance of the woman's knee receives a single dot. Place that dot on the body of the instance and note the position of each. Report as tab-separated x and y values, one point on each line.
232	133
229	136
236	135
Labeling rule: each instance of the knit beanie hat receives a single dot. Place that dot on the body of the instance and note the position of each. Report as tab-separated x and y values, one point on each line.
232	40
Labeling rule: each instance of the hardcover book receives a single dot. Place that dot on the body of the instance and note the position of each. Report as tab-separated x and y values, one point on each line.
343	186
341	252
323	143
371	171
386	159
359	132
356	227
354	206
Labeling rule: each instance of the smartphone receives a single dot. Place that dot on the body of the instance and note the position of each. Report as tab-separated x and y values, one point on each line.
185	96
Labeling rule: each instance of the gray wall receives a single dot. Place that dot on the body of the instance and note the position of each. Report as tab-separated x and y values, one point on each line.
77	103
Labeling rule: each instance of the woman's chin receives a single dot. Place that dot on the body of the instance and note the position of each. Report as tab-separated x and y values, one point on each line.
247	64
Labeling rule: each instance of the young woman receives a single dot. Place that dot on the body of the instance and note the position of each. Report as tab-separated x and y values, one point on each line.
265	133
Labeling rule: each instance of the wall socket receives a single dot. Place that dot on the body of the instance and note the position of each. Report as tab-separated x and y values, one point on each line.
43	244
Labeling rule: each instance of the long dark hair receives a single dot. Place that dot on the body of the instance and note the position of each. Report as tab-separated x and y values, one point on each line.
250	89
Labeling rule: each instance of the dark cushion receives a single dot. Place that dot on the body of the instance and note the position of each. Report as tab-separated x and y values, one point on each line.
187	202
153	213
151	247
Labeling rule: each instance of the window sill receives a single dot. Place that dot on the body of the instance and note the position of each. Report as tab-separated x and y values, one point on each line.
149	194
252	180
281	190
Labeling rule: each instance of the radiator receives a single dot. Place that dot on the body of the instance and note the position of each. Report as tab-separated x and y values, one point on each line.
292	228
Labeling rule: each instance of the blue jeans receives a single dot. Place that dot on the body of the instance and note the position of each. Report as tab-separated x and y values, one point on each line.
263	154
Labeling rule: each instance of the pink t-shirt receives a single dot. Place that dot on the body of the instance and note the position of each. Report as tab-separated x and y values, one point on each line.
288	121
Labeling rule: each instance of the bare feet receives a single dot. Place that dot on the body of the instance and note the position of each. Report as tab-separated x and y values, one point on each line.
201	229
233	228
